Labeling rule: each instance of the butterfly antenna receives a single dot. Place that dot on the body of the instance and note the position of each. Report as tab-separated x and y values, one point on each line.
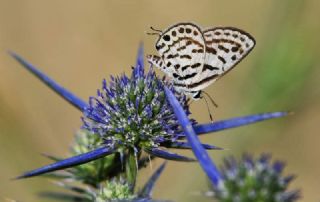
152	33
210	115
156	30
212	101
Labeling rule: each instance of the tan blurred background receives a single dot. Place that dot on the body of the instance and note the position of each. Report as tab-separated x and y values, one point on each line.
78	43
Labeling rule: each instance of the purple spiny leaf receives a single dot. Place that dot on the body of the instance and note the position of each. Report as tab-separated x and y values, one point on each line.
186	145
203	157
64	93
70	162
236	122
148	187
168	155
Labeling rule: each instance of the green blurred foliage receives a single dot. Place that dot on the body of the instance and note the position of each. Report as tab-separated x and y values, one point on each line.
285	62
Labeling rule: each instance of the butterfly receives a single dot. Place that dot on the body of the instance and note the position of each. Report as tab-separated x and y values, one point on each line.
194	58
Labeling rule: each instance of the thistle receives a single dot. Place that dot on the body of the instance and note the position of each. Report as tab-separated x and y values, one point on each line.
133	113
253	180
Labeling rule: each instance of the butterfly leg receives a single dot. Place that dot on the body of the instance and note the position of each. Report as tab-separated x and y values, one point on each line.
209	111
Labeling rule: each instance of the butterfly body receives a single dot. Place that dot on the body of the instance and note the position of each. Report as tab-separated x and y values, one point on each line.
195	58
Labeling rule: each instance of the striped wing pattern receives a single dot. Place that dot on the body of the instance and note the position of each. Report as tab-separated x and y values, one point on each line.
225	47
194	59
182	51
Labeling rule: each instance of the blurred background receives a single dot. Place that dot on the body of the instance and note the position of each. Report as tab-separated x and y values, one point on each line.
78	43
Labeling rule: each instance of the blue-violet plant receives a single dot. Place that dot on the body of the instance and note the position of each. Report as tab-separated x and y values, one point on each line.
130	121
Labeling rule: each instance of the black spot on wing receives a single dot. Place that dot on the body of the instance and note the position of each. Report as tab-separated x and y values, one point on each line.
211	50
195	65
221	47
185	56
185	67
235	48
183	78
173	56
166	37
158	47
181	48
209	67
222	59
175	75
188	76
197	51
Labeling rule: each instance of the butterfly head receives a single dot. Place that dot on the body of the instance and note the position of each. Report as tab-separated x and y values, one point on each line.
196	95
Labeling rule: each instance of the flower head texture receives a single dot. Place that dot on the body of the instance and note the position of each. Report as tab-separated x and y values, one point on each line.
251	180
133	112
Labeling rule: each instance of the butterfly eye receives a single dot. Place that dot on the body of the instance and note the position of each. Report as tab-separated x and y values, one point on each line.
196	95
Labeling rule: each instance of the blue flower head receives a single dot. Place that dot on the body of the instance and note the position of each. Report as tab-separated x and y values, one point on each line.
134	112
252	179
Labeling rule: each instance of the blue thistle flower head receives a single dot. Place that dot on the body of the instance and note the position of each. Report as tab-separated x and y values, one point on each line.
252	179
133	111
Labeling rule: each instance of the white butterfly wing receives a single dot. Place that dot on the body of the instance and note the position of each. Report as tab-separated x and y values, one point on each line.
182	53
225	47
